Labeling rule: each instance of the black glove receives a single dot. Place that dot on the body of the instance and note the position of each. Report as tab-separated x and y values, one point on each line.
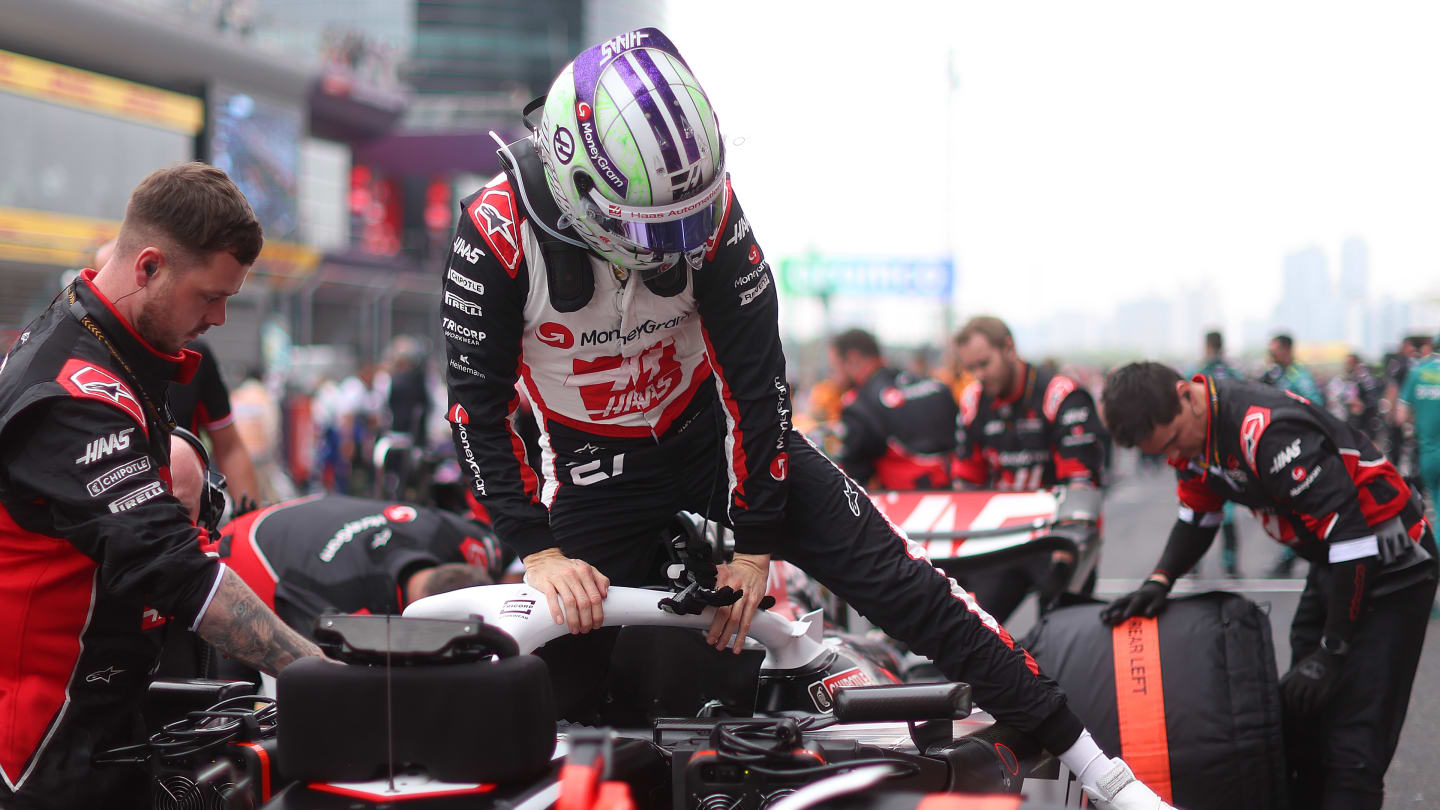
1148	601
1309	684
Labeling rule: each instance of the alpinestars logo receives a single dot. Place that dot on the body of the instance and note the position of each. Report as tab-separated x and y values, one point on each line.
84	380
104	446
616	385
494	216
1251	428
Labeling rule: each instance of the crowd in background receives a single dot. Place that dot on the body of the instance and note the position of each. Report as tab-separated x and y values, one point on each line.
323	436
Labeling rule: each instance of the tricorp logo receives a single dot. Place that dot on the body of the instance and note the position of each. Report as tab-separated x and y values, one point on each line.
554	334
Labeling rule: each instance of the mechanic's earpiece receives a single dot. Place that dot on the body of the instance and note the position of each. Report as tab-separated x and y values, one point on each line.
151	269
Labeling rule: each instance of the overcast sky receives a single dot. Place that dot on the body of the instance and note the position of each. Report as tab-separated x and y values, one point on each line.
1097	151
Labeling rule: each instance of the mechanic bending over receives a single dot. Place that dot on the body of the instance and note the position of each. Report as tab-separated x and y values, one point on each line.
1322	488
97	555
896	428
611	269
1022	428
355	555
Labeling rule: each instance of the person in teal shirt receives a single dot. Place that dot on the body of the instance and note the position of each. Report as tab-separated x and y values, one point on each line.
1420	404
1287	375
1216	368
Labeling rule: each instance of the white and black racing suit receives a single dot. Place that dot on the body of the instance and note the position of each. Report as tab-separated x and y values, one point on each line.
671	394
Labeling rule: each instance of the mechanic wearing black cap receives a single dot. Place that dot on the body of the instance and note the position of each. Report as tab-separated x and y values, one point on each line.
1323	489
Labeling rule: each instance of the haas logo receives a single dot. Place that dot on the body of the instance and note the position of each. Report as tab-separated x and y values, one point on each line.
554	334
616	385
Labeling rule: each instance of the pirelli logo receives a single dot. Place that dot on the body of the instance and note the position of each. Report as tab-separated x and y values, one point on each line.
139	496
110	478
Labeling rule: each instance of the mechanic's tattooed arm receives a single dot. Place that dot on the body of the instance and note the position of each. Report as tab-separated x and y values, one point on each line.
242	626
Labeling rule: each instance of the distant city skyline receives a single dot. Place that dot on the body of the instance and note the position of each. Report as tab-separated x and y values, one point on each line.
1074	157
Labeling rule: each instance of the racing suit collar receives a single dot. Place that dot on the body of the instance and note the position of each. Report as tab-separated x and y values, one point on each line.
1027	375
1212	404
148	360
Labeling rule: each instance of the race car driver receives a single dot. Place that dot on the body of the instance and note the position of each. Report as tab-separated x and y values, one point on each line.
355	555
896	428
611	269
1021	428
1322	488
96	555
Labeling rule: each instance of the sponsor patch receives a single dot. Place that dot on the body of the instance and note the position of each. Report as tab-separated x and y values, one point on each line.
1252	427
554	334
742	228
105	445
151	490
518	607
82	379
1287	454
456	302
400	514
465	251
460	333
477	480
458	414
615	385
1055	394
600	337
564	144
493	213
780	467
746	296
1307	482
465	283
1074	416
108	479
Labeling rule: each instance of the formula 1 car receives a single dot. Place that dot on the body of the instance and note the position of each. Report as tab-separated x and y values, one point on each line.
446	708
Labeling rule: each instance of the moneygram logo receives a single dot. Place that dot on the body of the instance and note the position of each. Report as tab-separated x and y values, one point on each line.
554	334
599	337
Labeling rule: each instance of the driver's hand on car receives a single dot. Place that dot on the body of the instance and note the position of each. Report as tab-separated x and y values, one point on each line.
749	573
574	584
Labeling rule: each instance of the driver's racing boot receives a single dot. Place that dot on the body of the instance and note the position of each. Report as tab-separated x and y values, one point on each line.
1118	789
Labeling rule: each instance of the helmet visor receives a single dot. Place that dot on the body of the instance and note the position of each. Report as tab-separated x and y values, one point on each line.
678	228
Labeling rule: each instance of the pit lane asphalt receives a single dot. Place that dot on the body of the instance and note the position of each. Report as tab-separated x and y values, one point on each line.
1139	510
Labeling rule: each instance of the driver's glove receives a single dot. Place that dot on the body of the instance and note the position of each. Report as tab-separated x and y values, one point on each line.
1118	789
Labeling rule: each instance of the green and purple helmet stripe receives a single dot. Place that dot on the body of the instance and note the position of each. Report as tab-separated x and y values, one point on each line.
590	65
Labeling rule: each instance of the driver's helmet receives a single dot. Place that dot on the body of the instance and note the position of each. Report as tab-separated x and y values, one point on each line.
632	153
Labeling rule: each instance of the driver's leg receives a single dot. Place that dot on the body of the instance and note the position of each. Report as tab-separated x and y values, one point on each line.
837	536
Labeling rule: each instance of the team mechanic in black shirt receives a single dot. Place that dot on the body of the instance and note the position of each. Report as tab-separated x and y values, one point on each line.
1322	488
96	555
1022	428
611	270
355	555
896	428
